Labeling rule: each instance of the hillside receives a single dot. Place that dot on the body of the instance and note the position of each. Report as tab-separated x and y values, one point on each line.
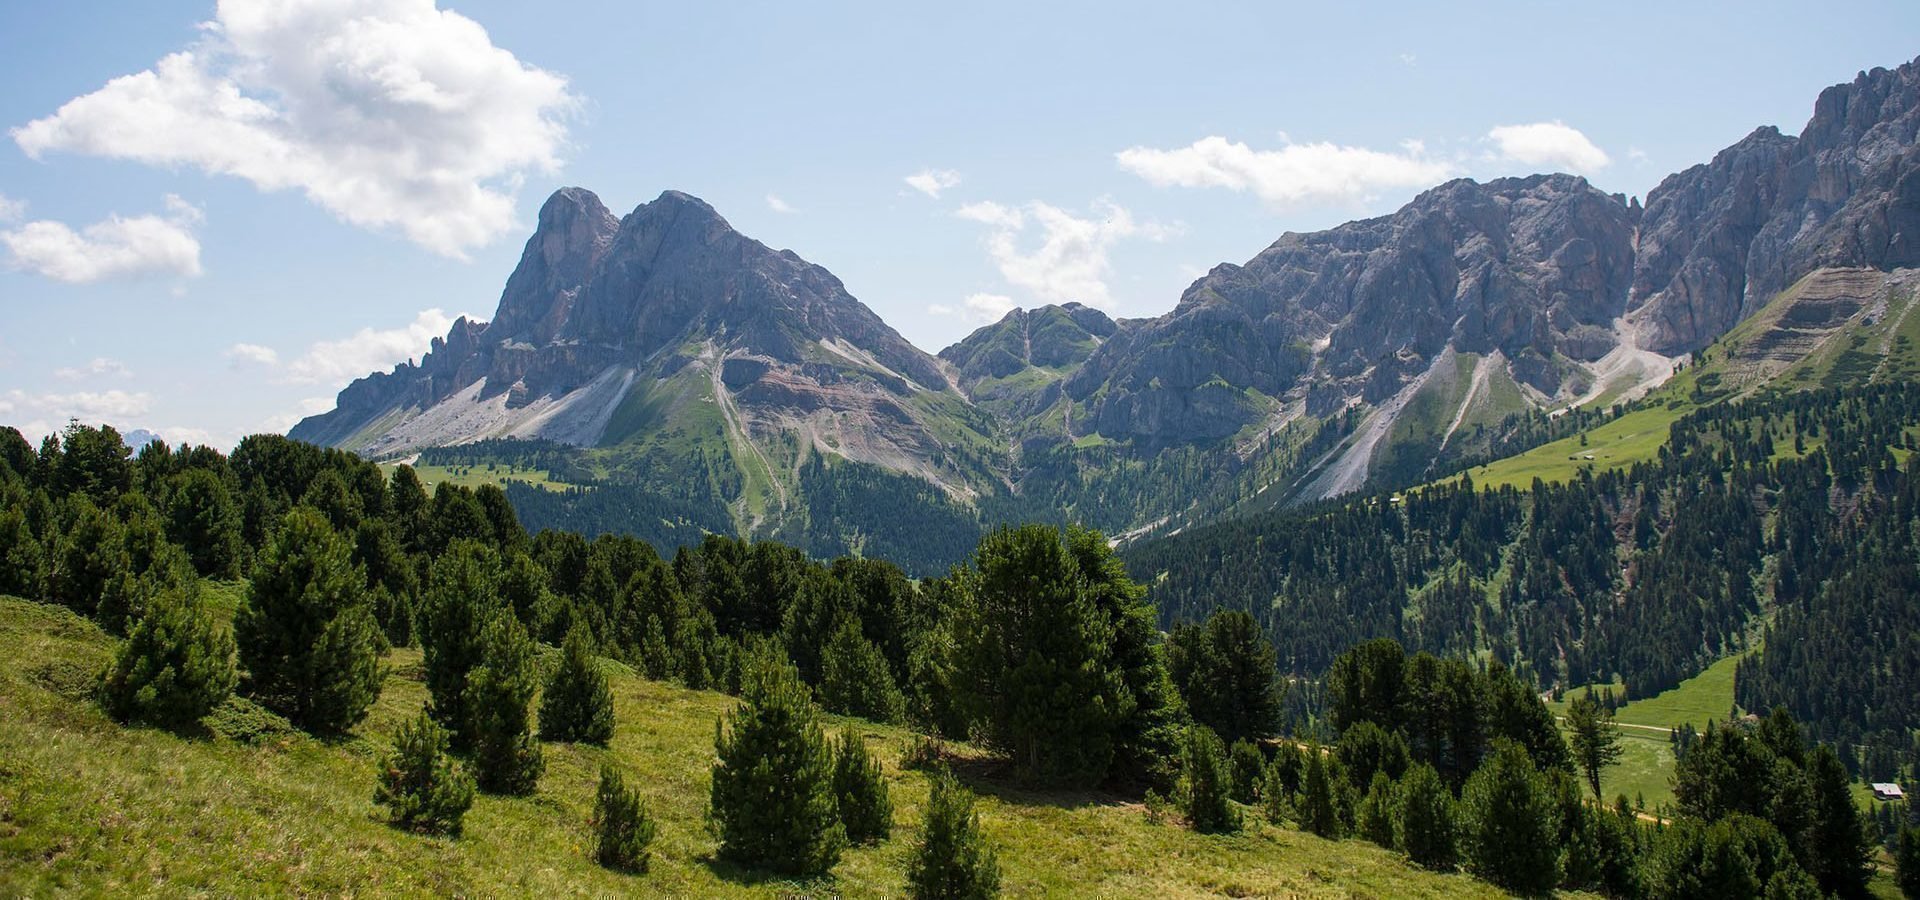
90	807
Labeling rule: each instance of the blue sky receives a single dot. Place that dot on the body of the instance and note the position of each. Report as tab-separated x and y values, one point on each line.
211	244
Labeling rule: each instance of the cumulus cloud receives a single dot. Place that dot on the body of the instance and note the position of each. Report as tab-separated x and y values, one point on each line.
932	181
119	247
1553	145
88	406
1069	262
99	367
252	354
778	205
980	308
335	363
1293	175
390	114
12	210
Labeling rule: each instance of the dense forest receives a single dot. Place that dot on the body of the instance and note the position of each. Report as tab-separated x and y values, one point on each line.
1040	649
1780	523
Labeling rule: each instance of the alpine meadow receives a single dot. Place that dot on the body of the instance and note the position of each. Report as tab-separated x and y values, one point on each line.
1523	520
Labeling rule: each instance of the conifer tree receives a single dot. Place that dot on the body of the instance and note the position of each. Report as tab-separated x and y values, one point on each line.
1424	824
1319	805
952	860
423	788
90	555
1275	798
23	561
622	829
1225	671
577	705
175	666
1248	767
1376	811
1592	737
1206	781
461	597
860	791
306	635
855	680
506	758
1842	853
204	519
772	796
1512	825
1907	862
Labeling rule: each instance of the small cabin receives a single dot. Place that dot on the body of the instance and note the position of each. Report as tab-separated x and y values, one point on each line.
1885	791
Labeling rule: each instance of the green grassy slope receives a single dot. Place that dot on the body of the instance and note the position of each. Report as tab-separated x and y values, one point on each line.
1646	760
91	808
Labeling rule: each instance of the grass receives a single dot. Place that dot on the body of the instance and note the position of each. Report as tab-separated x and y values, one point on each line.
92	808
473	476
1646	760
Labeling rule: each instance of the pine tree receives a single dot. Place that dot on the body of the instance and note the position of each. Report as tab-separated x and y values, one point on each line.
577	705
952	860
622	829
855	680
306	635
1319	807
1225	671
860	791
424	789
1206	781
1907	862
204	520
772	796
1248	767
1424	826
1377	810
90	555
506	758
23	561
1275	802
1842	853
175	666
1592	737
1512	824
461	596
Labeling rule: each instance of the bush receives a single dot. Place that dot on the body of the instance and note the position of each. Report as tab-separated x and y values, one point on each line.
174	668
1424	820
425	790
506	758
860	791
577	704
772	797
622	830
952	860
1205	782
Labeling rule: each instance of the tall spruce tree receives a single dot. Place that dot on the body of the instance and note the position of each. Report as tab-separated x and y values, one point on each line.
952	860
306	635
506	758
1592	737
577	705
175	666
772	796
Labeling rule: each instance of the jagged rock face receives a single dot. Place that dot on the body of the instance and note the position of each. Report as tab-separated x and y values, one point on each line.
599	305
1014	368
1721	239
1535	267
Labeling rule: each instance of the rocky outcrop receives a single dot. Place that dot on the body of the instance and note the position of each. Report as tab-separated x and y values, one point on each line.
1720	239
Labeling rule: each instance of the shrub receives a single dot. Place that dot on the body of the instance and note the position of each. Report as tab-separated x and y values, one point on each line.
577	704
622	830
174	668
772	797
1205	781
424	789
952	860
860	791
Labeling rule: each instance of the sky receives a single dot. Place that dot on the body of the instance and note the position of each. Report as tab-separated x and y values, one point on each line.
213	216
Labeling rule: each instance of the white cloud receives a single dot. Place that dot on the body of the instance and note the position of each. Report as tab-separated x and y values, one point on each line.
1070	261
12	210
100	366
284	422
252	354
1409	60
1292	175
390	114
91	407
979	308
778	205
932	181
1637	155
1552	144
116	248
335	363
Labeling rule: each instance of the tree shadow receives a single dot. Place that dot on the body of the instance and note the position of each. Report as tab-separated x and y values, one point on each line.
996	777
784	886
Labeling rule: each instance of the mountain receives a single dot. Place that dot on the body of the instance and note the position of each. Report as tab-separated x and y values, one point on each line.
1373	355
671	334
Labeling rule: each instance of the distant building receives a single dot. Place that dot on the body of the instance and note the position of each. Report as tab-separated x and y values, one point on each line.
1885	791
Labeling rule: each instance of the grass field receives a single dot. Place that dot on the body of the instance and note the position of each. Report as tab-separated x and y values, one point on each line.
1646	760
485	473
91	808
